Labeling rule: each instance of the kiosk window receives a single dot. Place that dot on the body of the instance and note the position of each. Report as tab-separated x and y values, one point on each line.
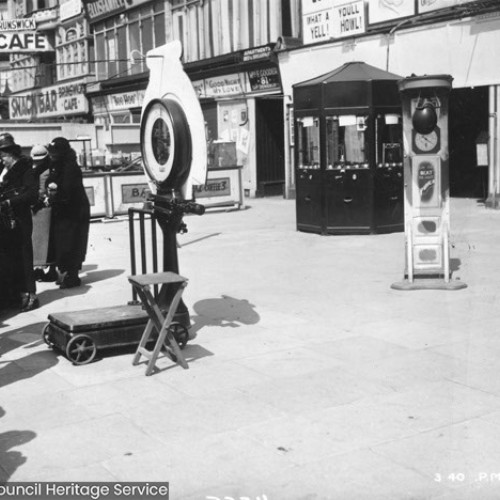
345	139
308	142
389	138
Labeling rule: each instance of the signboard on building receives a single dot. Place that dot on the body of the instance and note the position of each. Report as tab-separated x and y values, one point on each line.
327	19
28	24
317	18
24	41
69	9
49	102
348	19
429	5
223	86
100	9
125	100
257	53
387	10
264	79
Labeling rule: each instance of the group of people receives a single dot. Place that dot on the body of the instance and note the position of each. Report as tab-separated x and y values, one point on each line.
49	178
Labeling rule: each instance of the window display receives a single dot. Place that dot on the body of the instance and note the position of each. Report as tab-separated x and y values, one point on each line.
308	142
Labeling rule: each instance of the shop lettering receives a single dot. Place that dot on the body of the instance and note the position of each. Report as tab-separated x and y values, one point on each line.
350	25
318	25
71	90
224	86
71	104
23	41
34	104
124	99
100	7
17	24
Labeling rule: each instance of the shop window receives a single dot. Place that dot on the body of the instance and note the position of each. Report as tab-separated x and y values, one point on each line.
308	142
345	139
388	132
121	117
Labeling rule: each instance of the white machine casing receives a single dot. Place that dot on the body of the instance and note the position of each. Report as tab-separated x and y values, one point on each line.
169	82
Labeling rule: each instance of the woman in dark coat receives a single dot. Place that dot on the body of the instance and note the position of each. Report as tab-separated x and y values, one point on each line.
70	211
18	191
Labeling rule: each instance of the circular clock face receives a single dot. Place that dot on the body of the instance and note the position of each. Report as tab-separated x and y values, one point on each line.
166	143
427	142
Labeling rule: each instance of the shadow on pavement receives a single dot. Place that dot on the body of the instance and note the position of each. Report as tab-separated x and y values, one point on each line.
94	276
10	460
24	367
224	312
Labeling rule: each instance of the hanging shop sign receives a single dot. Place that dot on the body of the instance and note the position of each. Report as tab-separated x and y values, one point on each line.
264	79
348	19
387	10
24	41
49	102
28	24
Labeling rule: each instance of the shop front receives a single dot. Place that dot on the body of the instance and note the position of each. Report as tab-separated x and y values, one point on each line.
462	48
243	109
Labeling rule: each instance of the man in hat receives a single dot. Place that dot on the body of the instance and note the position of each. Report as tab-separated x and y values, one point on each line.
18	192
70	211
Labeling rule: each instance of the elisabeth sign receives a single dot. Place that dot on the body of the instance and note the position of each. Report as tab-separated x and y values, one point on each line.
58	100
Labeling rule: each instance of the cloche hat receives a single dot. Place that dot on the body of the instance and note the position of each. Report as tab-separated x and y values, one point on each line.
7	142
39	152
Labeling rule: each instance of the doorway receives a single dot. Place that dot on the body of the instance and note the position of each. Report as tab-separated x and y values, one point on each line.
468	118
270	146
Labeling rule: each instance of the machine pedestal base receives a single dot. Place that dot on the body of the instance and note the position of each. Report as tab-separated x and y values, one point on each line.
428	284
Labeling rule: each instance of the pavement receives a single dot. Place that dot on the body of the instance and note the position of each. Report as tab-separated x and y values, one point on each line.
309	376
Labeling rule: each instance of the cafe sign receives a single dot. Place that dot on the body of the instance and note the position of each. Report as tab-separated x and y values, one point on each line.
24	41
48	102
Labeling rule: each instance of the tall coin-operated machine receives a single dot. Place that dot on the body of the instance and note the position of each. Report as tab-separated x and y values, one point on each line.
174	151
426	175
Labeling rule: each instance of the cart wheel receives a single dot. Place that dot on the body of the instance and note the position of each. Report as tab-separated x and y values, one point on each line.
81	350
180	333
46	335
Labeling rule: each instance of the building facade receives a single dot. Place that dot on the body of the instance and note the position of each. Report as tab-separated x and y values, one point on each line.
83	62
455	37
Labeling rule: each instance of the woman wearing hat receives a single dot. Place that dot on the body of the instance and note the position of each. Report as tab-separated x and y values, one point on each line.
70	211
42	255
18	192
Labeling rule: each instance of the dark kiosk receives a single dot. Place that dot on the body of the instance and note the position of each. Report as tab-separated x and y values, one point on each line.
349	152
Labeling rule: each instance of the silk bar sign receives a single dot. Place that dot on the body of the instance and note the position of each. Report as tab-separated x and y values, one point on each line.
24	41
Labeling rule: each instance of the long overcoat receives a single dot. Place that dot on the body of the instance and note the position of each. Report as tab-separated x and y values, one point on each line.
70	214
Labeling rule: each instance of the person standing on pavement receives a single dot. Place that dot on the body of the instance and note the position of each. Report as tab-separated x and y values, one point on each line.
18	191
42	255
70	217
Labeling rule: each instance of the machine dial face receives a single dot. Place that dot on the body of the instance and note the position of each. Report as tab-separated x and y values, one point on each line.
426	143
158	141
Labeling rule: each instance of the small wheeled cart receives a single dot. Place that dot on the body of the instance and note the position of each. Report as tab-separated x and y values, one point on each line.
80	334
